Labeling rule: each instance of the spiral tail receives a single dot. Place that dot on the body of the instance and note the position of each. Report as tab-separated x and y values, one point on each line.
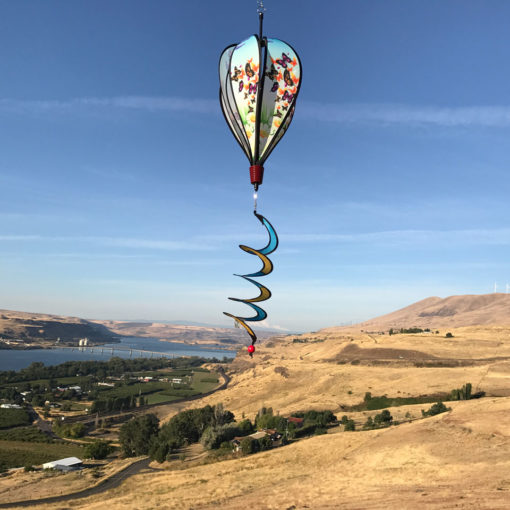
265	293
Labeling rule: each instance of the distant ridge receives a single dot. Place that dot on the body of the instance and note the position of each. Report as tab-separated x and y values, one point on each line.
436	312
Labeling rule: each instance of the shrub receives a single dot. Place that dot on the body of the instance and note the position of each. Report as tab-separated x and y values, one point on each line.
97	450
463	393
213	436
249	446
437	408
448	335
265	443
73	431
383	419
350	426
369	424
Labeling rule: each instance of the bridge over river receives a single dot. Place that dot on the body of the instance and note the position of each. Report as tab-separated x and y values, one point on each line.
138	353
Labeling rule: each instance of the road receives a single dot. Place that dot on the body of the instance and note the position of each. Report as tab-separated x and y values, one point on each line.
107	484
111	482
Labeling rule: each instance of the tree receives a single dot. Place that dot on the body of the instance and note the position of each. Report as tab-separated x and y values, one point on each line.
448	335
97	450
369	424
350	426
249	445
245	427
213	436
437	408
383	419
135	435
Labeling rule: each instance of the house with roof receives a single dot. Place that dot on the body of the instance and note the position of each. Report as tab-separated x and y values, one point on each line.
298	422
65	465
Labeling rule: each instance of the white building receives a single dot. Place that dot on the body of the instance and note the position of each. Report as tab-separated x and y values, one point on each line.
67	464
10	406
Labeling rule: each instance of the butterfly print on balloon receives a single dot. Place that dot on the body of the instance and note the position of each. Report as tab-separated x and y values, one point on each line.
241	85
287	97
253	88
284	60
249	70
274	88
273	73
237	73
287	78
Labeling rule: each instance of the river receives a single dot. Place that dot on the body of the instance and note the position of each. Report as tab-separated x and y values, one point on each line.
15	360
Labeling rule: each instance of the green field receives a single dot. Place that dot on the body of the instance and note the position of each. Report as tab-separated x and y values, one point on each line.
25	434
13	418
19	453
157	392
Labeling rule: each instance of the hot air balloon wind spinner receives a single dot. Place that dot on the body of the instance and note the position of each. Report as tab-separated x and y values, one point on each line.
259	83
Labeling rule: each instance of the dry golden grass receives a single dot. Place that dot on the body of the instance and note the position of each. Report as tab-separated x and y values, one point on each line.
458	459
44	484
435	312
455	460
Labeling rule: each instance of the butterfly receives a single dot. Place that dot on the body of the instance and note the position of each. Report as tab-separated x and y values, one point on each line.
250	109
274	88
237	73
246	95
249	70
283	61
277	99
284	108
253	100
287	97
273	73
253	88
278	114
287	78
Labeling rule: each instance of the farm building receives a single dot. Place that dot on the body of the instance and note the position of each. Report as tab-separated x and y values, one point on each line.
67	464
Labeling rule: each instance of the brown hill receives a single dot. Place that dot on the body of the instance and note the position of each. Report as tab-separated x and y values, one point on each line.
38	328
181	333
27	328
435	312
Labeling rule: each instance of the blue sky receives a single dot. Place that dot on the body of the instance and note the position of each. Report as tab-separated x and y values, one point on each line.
124	195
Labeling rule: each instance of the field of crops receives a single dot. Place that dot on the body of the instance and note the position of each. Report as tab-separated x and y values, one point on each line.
13	418
25	434
19	453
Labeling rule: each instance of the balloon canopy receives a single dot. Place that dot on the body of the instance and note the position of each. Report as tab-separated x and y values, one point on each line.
259	83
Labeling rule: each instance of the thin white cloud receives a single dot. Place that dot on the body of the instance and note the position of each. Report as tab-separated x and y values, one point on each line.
469	236
380	114
408	115
122	242
494	237
83	104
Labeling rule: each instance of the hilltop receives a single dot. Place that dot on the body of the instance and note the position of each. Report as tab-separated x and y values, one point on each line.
38	328
180	332
436	312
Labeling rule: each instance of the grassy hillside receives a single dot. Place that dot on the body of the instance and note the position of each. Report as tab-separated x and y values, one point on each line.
462	455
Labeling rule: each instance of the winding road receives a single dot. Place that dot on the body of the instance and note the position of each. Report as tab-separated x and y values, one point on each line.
114	480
